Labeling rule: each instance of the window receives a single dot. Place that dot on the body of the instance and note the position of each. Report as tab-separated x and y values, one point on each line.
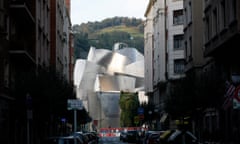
215	22
186	16
223	14
190	12
233	12
190	49
207	29
178	17
179	66
186	50
178	42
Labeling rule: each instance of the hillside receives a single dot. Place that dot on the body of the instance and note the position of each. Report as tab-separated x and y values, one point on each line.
107	32
133	31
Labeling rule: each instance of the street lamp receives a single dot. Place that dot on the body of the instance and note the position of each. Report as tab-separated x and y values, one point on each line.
150	118
29	115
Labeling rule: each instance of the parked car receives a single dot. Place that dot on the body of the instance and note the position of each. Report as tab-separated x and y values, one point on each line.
123	136
150	135
153	138
81	136
132	136
63	140
185	137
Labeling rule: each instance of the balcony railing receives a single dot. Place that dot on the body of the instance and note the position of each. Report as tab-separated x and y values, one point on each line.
23	10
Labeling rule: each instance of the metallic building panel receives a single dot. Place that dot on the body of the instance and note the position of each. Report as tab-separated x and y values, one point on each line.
135	69
131	53
100	78
109	103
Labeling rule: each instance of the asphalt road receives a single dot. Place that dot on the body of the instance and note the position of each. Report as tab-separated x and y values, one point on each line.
110	140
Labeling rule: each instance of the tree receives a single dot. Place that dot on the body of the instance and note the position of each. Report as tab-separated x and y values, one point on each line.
129	104
106	33
49	93
81	44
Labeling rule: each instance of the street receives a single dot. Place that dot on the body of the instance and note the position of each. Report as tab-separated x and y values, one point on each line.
110	140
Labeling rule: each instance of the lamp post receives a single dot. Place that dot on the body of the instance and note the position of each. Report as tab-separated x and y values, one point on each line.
150	118
29	115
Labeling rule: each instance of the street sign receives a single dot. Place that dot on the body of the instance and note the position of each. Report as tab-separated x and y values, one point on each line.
74	104
140	110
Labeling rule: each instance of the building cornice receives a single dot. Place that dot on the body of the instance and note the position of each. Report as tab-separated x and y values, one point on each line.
150	5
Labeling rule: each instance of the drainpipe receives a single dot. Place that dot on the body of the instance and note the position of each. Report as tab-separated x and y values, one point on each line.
166	34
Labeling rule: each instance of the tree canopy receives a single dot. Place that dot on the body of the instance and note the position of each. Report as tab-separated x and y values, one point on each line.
128	104
107	32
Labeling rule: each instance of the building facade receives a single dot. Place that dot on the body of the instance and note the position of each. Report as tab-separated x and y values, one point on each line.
148	49
25	48
167	50
43	33
201	50
221	40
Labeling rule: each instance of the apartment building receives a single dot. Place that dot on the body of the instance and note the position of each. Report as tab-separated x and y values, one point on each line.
167	50
25	47
68	29
193	35
148	49
175	48
221	42
43	33
201	41
60	38
5	98
194	58
4	44
159	49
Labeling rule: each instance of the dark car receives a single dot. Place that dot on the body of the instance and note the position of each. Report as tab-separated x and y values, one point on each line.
132	136
185	137
151	136
63	140
123	136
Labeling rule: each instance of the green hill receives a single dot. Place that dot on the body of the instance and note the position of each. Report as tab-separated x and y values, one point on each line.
107	32
133	31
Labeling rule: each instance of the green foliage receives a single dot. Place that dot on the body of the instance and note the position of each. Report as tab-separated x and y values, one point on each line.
109	22
104	34
81	44
49	93
129	104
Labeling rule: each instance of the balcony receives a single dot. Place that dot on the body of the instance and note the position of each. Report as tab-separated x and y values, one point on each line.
22	51
225	48
22	40
23	10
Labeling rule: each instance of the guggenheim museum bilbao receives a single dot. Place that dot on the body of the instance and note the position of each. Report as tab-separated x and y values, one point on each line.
101	77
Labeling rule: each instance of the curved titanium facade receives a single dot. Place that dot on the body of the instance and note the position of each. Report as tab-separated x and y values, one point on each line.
100	78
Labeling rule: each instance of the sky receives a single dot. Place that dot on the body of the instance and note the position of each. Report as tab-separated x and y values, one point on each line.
83	11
